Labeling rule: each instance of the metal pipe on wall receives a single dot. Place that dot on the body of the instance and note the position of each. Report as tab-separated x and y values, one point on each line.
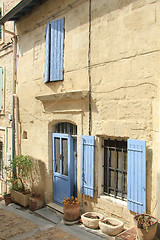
14	92
5	157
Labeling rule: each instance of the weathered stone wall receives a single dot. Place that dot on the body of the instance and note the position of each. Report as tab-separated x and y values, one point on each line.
124	57
6	62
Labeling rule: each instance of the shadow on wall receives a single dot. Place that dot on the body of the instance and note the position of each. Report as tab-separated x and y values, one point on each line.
38	177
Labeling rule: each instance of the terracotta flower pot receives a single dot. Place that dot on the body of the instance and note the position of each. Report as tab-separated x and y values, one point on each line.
111	226
7	199
71	212
91	219
149	233
35	202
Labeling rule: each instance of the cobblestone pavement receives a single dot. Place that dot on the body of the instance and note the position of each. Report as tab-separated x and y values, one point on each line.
15	227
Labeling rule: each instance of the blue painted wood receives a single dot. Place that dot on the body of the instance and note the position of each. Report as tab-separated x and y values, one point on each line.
63	186
47	55
57	50
136	176
87	165
1	87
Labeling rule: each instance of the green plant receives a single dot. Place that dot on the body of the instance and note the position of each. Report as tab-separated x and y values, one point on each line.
144	221
18	171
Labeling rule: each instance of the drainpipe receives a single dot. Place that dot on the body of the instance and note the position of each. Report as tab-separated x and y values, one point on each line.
5	157
14	92
89	67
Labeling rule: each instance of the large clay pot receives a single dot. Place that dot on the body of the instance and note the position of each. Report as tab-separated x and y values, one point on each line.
91	219
111	226
35	202
71	212
149	234
7	199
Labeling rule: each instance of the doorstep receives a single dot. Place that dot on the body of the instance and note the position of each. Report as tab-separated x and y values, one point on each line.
55	207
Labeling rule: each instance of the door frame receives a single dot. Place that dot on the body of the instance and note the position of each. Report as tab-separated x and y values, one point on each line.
68	180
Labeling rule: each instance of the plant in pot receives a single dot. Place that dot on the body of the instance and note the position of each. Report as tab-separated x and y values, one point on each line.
71	209
17	173
146	226
35	201
7	198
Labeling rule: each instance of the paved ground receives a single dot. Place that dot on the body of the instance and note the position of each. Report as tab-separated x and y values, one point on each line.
17	223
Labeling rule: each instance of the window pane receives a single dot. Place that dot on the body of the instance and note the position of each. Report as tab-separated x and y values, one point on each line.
65	156
57	155
115	168
112	158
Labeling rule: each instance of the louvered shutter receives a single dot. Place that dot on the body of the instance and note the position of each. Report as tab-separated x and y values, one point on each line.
57	49
87	165
47	55
1	87
136	176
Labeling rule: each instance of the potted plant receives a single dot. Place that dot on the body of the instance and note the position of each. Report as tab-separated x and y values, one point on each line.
35	201
71	209
17	173
7	198
146	226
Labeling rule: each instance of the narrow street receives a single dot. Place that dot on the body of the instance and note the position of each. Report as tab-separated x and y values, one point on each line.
18	223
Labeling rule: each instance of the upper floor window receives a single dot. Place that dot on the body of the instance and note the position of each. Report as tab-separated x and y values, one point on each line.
54	51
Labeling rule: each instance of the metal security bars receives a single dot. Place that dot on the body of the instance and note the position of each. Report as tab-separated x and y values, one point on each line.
66	128
115	168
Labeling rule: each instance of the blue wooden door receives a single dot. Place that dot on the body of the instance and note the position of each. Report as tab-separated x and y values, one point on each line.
63	172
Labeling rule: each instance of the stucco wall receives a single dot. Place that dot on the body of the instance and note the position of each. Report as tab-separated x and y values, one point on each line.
6	62
124	57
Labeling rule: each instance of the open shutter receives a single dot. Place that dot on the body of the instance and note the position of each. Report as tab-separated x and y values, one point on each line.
136	176
57	49
1	87
87	165
47	54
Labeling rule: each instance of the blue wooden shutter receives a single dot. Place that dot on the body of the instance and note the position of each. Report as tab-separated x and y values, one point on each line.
87	165
136	176
57	49
47	55
1	87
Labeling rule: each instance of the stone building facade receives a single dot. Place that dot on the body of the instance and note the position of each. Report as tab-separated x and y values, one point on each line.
108	88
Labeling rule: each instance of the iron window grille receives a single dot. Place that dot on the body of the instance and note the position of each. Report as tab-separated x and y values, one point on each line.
66	128
115	168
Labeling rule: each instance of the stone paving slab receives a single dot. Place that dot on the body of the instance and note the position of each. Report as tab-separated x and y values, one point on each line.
48	214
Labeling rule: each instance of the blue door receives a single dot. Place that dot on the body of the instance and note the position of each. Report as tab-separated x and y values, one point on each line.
63	170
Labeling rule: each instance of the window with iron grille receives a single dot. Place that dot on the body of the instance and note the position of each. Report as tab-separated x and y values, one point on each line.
115	168
1	160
